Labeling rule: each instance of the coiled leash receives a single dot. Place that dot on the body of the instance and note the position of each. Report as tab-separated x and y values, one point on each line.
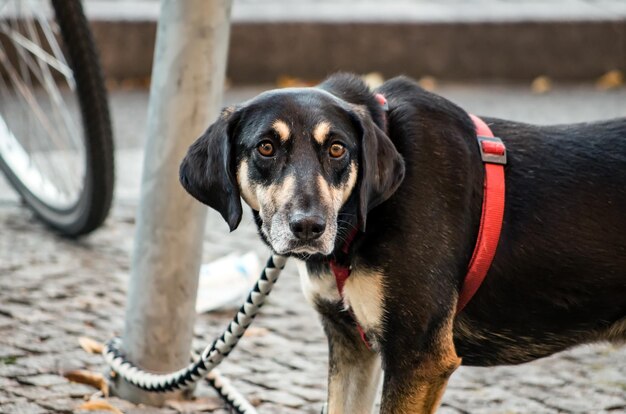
213	354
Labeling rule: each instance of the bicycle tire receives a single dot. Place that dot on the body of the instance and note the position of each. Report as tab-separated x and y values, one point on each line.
94	203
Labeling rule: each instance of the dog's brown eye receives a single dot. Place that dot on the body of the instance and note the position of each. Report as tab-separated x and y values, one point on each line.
336	150
266	149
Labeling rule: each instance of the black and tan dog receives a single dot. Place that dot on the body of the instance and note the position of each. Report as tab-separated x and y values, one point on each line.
316	163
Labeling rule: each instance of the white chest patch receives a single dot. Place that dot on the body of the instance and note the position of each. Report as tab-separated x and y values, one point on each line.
317	287
363	293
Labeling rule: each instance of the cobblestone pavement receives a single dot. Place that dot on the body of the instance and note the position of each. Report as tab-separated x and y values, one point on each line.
53	291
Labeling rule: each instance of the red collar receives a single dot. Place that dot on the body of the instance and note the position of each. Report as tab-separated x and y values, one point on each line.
493	154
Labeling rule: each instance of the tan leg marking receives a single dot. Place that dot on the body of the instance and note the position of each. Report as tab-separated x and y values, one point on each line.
355	371
320	132
281	129
352	387
364	293
425	387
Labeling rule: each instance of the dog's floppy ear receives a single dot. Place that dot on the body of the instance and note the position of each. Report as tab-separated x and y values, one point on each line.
208	170
381	167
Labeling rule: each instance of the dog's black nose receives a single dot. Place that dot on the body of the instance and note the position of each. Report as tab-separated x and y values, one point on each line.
307	227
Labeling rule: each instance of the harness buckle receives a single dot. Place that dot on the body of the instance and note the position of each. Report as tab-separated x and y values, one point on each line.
492	150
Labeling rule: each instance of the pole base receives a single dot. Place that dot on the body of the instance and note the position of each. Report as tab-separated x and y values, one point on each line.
118	387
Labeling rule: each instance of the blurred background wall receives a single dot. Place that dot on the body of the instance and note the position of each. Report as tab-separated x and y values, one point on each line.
466	40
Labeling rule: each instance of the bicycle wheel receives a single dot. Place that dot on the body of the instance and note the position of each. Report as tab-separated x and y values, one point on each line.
56	145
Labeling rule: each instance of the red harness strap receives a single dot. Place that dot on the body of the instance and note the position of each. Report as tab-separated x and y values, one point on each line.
342	273
493	154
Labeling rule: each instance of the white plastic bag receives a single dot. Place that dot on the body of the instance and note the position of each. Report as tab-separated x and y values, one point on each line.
225	283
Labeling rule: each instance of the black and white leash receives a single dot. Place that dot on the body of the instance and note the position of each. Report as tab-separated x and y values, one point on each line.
211	357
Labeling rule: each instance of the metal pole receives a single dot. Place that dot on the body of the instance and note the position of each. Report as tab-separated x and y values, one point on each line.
185	94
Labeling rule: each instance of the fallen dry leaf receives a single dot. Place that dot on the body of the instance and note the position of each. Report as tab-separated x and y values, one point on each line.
373	79
92	379
100	405
90	345
252	331
540	85
428	82
292	82
610	80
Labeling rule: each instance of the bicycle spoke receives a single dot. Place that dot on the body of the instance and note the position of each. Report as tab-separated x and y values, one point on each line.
60	162
53	90
35	63
54	45
36	50
34	107
45	78
58	104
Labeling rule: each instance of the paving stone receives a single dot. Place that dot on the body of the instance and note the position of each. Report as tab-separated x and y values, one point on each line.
53	291
444	409
13	371
41	363
205	404
7	397
44	380
6	322
61	405
283	398
18	339
24	312
37	393
8	383
9	352
592	403
74	390
94	412
309	394
542	381
23	407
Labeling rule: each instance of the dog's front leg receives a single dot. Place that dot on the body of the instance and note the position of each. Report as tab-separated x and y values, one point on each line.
416	379
353	369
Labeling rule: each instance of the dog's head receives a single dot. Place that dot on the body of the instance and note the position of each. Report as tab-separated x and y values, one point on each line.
302	159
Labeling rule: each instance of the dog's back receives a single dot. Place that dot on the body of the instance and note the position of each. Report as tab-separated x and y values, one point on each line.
559	273
560	267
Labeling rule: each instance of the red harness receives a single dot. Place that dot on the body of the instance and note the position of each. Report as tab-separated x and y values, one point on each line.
493	154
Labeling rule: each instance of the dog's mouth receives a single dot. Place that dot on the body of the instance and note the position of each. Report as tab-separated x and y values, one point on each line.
305	250
277	233
298	248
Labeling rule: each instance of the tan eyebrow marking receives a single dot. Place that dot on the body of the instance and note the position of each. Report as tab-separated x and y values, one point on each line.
320	132
281	129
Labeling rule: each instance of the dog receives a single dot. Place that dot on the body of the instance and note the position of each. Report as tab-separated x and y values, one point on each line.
395	195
